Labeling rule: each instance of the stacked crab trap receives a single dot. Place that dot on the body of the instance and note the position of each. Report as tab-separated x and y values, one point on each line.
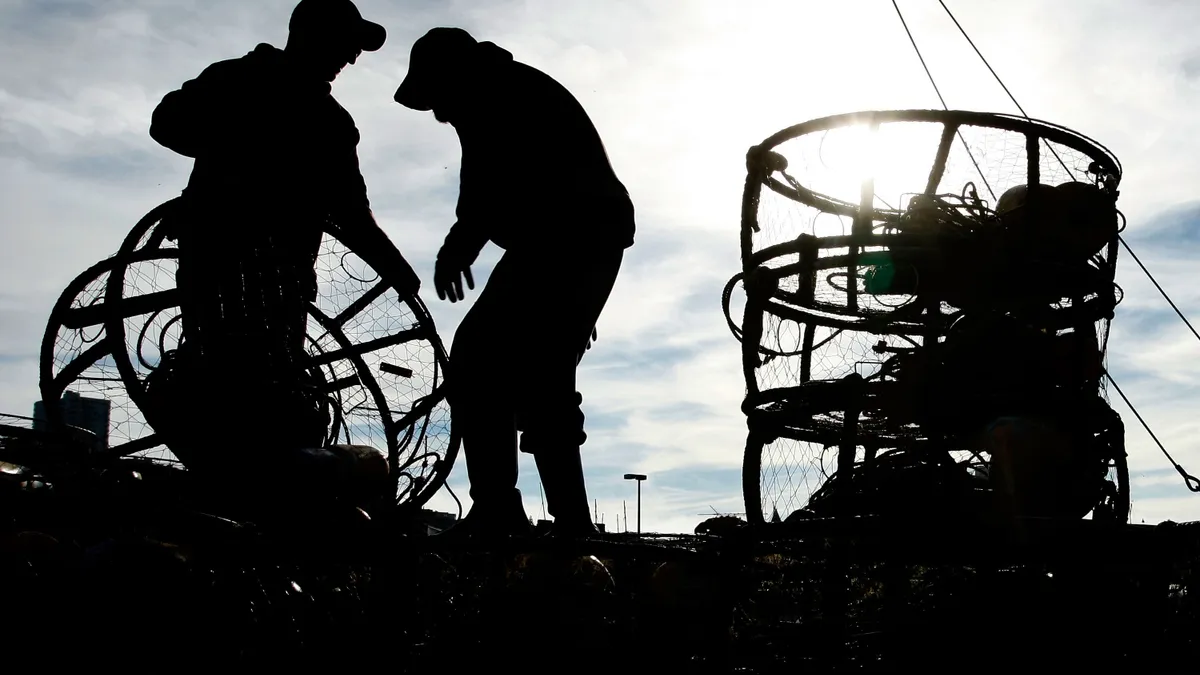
927	296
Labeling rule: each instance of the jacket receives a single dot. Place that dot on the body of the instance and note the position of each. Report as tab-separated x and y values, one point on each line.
264	136
535	173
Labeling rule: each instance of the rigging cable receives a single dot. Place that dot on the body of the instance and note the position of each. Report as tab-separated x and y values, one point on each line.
1160	290
1192	483
939	95
1001	83
1189	480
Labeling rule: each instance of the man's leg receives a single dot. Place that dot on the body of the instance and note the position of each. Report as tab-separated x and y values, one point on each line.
552	420
482	403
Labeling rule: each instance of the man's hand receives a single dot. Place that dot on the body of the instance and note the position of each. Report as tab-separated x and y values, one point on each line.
364	233
591	340
462	246
448	273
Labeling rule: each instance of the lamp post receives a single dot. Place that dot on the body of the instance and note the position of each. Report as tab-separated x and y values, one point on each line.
639	478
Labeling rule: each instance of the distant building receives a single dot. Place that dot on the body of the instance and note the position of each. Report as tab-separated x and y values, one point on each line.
91	414
437	521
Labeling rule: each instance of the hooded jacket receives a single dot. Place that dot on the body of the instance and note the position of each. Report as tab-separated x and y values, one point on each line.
535	173
264	136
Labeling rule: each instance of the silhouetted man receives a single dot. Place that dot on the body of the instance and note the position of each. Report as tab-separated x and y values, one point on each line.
536	181
275	159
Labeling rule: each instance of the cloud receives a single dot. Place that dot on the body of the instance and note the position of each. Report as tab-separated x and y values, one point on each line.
679	91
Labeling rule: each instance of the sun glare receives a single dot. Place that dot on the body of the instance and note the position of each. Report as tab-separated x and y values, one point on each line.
896	156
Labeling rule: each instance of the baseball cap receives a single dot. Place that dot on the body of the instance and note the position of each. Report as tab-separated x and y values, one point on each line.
341	18
433	54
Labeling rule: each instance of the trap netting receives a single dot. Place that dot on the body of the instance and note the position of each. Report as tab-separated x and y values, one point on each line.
340	337
906	292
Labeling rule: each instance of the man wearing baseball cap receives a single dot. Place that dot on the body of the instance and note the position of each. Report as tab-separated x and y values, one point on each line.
275	160
537	182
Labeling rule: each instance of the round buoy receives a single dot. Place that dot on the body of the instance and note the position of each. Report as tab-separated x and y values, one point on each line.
1069	222
365	470
1013	201
36	485
1036	469
14	471
28	541
551	571
1089	219
558	595
31	546
685	589
1032	219
688	608
365	462
992	347
1078	359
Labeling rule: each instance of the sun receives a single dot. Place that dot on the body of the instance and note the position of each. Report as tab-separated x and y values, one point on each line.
895	156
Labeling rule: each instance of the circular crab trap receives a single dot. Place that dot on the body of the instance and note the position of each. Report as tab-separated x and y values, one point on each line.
922	288
368	367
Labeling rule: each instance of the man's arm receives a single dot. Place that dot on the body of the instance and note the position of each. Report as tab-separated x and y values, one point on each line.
468	235
346	188
351	209
185	118
350	192
464	241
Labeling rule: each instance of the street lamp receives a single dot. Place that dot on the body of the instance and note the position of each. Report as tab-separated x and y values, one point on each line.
639	478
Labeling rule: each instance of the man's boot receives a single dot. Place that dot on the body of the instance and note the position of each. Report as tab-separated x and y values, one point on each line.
493	516
497	510
566	493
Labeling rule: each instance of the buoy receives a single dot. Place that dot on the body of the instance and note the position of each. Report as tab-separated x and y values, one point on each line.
364	463
1069	222
685	589
1089	219
1013	201
559	594
1035	469
34	547
549	571
1077	358
8	469
1031	219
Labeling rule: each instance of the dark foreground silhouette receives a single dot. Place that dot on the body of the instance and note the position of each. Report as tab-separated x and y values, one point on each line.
536	181
122	575
275	159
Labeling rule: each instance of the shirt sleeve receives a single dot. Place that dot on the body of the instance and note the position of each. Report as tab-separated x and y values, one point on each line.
469	234
185	120
349	188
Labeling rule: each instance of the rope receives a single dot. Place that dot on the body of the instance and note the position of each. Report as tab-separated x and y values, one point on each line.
455	498
1160	290
1189	480
1002	85
943	100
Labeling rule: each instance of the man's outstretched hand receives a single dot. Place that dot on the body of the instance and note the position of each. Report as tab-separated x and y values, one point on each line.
448	275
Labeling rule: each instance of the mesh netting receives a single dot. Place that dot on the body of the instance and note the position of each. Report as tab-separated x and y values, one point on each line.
866	238
368	365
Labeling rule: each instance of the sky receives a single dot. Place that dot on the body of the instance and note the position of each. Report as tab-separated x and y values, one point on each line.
679	90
